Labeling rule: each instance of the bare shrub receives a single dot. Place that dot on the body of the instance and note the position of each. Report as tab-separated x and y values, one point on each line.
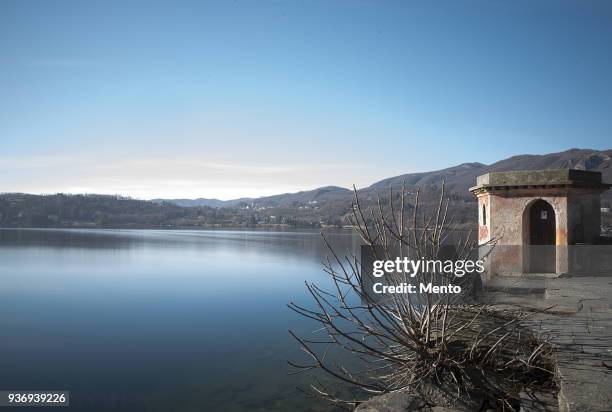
408	341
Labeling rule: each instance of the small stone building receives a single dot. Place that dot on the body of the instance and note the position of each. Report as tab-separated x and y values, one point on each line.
537	217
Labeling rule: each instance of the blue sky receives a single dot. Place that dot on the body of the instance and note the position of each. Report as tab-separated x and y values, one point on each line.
246	98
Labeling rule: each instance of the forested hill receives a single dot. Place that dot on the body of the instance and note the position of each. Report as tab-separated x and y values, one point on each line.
98	211
23	210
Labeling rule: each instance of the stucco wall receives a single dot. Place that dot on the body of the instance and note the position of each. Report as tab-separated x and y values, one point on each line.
508	218
508	222
584	217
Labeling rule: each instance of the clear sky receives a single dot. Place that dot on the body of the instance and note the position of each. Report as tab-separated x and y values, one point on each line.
247	98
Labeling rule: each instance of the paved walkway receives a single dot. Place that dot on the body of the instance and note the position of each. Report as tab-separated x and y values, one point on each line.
579	323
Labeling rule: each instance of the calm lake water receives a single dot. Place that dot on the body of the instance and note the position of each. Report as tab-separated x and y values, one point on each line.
158	320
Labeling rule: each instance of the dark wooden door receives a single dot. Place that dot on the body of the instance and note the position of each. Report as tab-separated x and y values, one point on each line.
542	237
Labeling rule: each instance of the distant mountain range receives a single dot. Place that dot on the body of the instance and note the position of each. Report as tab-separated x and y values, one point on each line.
458	179
202	201
322	193
325	206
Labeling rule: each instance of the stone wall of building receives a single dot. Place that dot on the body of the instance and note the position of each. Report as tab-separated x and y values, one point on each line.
584	215
508	222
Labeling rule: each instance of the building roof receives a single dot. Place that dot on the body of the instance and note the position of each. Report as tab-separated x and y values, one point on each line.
540	178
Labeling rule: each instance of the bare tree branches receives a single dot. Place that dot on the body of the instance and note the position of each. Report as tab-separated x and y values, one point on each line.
405	340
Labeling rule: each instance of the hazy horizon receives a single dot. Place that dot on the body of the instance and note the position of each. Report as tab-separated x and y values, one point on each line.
223	100
349	187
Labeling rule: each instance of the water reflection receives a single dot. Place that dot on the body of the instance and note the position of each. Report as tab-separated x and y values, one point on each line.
157	320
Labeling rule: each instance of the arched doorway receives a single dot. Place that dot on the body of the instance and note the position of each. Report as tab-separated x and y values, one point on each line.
542	229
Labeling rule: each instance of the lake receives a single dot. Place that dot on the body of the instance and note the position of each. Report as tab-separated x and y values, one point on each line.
158	320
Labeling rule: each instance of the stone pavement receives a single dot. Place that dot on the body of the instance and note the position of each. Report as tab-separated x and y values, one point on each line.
578	320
